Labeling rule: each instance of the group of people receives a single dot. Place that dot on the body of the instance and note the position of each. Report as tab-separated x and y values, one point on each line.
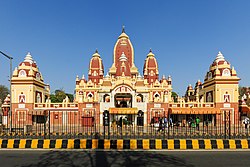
194	123
163	123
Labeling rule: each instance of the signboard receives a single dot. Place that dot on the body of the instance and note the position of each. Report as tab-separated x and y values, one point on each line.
89	105
106	118
21	105
226	105
157	105
123	110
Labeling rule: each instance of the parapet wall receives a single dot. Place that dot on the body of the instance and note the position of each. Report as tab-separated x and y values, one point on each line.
133	144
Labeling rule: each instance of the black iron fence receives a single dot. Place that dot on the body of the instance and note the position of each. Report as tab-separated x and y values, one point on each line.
71	124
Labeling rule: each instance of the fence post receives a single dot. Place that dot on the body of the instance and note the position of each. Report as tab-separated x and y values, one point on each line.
49	123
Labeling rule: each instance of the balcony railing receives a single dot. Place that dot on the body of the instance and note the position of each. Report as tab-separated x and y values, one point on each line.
191	104
55	105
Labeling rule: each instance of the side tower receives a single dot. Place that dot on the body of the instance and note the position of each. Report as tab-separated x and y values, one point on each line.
221	86
87	92
150	69
27	87
160	89
96	68
86	89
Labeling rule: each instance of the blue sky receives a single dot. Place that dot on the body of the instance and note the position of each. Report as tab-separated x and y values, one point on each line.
185	36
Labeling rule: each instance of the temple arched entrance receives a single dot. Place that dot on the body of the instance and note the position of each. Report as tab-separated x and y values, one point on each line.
123	112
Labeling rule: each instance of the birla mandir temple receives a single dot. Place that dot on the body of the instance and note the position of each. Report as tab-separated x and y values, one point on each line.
123	94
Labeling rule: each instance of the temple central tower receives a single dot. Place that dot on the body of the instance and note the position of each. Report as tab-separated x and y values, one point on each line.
123	57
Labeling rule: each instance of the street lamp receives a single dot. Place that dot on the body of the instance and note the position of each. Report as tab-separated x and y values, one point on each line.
10	58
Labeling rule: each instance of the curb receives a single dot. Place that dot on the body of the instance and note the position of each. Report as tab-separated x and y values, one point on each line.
132	144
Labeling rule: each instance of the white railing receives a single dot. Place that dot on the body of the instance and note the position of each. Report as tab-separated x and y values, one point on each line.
191	104
55	105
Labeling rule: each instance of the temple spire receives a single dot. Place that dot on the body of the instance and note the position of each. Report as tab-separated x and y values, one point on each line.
96	54
28	58
219	57
123	29
150	54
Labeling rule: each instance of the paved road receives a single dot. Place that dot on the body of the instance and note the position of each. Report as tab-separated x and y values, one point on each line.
66	158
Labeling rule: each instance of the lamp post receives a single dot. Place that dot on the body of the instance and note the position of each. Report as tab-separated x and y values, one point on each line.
10	76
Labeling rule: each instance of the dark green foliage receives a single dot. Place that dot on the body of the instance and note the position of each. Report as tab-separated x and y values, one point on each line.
174	96
244	90
4	91
60	95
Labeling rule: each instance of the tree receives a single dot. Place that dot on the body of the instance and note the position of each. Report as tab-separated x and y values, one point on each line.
60	95
244	91
174	96
4	91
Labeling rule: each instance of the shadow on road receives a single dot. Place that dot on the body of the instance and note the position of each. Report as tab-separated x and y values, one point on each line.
107	158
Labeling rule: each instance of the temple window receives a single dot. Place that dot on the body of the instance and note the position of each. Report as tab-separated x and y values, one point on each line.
209	97
90	97
226	72
139	98
22	73
95	73
21	98
209	75
38	76
151	73
38	98
156	97
106	98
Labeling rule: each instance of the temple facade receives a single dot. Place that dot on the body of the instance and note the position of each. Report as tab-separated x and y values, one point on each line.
123	93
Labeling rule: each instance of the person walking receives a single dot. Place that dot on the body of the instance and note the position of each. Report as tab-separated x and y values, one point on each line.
207	121
170	122
160	125
190	121
165	122
120	122
246	122
197	120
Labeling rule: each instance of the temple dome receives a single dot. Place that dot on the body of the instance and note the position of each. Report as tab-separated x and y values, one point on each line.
96	69
220	62
150	69
96	61
123	57
28	61
220	67
150	61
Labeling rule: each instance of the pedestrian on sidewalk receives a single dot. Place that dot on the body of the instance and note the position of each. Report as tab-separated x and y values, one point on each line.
197	120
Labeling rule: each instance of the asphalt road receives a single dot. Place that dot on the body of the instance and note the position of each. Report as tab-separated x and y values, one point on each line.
66	158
